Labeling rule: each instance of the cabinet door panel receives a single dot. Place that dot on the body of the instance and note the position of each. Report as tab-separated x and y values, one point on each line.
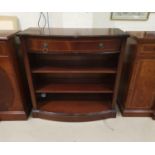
3	48
9	92
144	90
6	89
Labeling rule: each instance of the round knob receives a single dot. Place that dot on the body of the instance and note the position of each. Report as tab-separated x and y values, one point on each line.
43	95
45	50
45	45
101	45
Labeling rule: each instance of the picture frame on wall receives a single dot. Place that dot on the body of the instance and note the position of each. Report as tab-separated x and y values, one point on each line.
133	16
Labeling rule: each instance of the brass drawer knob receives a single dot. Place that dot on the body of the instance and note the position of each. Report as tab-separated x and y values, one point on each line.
45	47
101	45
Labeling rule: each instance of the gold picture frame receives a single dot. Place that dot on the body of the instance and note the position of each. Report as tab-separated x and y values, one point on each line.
130	16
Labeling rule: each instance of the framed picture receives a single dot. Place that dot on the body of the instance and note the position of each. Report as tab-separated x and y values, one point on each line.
136	16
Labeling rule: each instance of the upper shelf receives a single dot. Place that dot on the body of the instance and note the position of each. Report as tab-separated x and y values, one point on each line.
50	69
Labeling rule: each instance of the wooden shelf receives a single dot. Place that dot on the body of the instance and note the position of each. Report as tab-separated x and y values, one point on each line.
75	106
50	69
74	88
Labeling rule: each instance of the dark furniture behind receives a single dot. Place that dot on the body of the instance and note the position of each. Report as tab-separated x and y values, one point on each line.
73	74
137	87
14	103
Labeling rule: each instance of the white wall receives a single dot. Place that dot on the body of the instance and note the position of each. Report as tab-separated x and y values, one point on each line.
85	19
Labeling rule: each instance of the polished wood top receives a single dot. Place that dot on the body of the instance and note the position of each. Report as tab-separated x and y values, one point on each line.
73	32
142	35
6	34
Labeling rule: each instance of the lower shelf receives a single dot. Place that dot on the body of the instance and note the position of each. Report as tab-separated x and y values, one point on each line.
85	108
75	107
74	88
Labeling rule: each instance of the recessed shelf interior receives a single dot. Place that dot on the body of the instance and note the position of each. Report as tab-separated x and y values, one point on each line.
73	63
74	83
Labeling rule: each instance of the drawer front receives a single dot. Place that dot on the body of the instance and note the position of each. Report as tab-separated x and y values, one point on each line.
3	49
147	49
48	45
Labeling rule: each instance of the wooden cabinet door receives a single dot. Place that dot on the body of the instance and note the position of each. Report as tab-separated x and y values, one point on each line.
9	90
144	89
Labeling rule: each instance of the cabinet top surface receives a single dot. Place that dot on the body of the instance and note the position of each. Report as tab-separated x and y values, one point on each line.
142	35
73	32
6	34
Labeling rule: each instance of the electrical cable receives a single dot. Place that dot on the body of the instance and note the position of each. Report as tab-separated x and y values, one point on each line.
42	15
48	20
